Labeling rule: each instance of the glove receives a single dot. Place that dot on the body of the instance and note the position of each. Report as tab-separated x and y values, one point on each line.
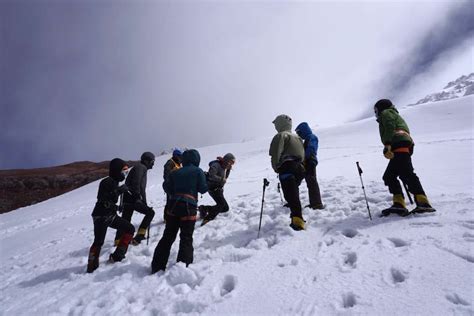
387	152
122	189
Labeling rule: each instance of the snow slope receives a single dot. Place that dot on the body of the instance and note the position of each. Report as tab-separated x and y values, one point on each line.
343	264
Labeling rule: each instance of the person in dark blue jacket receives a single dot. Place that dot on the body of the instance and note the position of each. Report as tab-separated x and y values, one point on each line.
182	186
311	143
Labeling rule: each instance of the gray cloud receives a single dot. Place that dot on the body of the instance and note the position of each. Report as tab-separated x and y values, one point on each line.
448	39
93	80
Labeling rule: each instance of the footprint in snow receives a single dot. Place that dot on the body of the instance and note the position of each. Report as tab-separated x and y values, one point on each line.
468	224
468	237
350	260
457	300
397	276
349	232
228	284
348	300
397	242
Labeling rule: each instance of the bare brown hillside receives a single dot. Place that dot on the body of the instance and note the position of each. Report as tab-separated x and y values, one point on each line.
23	187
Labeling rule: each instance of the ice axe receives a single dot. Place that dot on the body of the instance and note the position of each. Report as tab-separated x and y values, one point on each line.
265	185
363	188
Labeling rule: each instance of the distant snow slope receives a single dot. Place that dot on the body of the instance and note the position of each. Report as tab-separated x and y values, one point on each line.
342	264
460	87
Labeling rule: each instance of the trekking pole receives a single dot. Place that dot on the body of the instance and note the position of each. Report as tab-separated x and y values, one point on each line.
363	188
279	191
265	184
148	235
408	192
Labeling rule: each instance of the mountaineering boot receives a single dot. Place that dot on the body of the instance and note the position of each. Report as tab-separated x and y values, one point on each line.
422	204
93	261
202	211
121	250
297	223
209	217
117	256
398	207
139	236
116	242
316	206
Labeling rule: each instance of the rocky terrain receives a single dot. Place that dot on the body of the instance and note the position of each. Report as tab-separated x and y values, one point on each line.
463	86
23	187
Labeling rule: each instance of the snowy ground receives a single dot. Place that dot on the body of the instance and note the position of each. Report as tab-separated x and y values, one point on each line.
343	264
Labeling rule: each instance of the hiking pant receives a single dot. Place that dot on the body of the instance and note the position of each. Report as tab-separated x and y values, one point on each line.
291	174
127	213
183	224
400	166
221	204
313	186
101	223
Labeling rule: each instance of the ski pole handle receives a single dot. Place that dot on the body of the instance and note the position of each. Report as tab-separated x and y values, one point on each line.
359	168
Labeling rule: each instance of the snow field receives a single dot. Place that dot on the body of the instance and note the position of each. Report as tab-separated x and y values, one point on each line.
343	264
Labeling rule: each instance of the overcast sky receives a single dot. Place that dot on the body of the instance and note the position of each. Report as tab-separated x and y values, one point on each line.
92	80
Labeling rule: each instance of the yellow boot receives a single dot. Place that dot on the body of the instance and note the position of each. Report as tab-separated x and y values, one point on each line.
139	236
297	223
116	242
399	200
422	204
398	207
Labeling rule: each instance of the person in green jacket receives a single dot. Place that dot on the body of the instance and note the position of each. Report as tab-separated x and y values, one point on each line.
287	156
398	148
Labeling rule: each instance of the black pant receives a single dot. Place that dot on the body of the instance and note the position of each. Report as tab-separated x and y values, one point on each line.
313	186
221	204
400	166
101	223
127	213
291	173
186	250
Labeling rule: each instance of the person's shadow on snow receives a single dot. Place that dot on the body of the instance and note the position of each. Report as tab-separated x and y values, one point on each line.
55	275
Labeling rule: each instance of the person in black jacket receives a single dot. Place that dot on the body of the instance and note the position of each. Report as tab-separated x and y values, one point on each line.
182	186
135	200
173	164
219	171
105	215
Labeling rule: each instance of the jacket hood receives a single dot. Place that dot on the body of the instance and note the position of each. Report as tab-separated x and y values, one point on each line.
282	123
115	169
303	130
191	157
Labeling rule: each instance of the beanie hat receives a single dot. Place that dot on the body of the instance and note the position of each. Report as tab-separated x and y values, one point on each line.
229	157
177	153
382	104
147	156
